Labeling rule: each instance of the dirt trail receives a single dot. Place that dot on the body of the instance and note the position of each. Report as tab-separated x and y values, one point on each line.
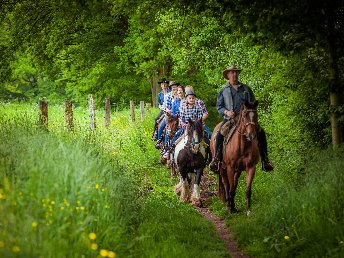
220	224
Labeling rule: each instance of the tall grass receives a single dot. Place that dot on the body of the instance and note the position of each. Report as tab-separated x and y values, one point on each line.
302	219
91	193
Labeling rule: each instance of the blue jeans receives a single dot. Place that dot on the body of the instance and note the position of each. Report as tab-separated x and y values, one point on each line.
161	128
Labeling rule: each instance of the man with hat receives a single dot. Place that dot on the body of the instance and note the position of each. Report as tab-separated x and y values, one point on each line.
169	98
229	102
161	96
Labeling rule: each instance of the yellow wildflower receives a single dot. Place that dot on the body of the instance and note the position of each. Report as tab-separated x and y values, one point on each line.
15	249
92	236
103	253
2	196
97	186
34	224
111	254
286	238
94	246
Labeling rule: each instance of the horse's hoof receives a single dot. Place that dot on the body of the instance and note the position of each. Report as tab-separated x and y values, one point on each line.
177	190
197	202
184	199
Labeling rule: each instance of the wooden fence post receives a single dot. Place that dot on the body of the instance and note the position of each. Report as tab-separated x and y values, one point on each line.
43	114
132	110
69	115
148	107
142	109
107	112
92	112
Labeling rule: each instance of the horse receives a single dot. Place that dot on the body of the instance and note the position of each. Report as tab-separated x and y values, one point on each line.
172	123
239	154
189	158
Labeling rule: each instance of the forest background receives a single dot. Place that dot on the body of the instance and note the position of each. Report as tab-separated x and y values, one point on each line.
289	51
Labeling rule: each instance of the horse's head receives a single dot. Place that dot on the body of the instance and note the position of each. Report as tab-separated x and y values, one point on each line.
171	125
195	134
248	123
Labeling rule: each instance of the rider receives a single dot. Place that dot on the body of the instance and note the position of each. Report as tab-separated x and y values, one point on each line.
161	96
176	106
188	110
167	106
207	132
229	102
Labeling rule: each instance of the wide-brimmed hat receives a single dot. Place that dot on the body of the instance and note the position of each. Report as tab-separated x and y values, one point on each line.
190	92
163	80
230	68
173	83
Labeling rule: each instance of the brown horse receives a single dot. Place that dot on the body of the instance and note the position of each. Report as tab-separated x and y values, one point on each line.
239	154
172	123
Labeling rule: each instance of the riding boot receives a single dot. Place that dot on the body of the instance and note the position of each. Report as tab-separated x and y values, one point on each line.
215	163
166	155
263	150
158	144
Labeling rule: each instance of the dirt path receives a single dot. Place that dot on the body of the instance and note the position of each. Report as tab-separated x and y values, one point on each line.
220	224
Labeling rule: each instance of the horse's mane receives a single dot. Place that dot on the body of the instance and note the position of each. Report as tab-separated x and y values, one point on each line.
195	125
249	105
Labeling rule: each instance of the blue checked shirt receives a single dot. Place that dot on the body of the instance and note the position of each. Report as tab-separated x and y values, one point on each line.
186	112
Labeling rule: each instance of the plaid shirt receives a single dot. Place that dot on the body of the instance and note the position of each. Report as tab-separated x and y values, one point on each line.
186	112
168	100
202	105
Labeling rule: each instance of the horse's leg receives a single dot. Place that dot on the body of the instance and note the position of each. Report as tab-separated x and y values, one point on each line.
178	187
232	190
225	184
184	195
196	196
249	179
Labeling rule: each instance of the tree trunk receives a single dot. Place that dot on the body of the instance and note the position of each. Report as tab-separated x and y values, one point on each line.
336	91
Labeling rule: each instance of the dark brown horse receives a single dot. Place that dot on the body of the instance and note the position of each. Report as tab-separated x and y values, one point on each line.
189	157
239	154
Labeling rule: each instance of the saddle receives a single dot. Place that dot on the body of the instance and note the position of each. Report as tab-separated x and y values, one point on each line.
228	129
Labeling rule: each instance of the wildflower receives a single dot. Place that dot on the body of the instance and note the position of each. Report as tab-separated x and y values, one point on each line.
94	246
15	249
2	244
2	196
111	254
97	186
92	236
103	253
34	224
286	238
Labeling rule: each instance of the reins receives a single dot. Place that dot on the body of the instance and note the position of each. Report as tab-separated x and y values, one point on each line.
243	119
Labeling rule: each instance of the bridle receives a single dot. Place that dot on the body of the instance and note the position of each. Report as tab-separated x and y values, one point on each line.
246	123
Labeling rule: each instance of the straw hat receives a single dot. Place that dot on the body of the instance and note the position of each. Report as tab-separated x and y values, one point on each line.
230	68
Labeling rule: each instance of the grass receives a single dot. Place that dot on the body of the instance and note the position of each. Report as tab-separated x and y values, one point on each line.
299	219
89	194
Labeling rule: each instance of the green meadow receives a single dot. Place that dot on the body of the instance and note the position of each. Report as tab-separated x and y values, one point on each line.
103	193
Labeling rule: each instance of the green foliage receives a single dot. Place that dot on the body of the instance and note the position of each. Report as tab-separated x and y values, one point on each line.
57	187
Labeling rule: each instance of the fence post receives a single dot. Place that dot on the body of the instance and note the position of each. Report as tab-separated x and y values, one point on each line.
43	114
132	110
92	112
148	107
69	115
142	109
107	112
